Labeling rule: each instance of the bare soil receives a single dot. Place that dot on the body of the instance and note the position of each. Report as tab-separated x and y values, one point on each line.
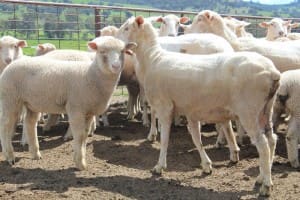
119	161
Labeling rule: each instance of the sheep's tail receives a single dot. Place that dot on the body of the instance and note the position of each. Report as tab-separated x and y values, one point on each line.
265	116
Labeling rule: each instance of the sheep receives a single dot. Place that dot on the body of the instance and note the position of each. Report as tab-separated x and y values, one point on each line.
67	55
285	57
42	49
170	24
237	26
228	85
10	50
280	30
287	100
67	84
276	28
109	31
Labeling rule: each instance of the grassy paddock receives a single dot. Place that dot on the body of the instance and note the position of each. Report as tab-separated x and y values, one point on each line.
60	44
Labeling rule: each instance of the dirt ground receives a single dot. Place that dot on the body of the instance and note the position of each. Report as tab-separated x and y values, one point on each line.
119	162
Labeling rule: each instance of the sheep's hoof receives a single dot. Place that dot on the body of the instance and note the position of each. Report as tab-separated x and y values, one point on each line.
157	170
11	161
295	163
265	190
234	158
81	166
36	156
219	145
151	138
259	180
207	168
67	138
24	143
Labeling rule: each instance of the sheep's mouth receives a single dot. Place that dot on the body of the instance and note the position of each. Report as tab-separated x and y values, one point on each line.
116	67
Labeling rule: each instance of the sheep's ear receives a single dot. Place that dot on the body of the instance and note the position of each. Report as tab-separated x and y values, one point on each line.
208	16
159	19
139	20
287	23
93	46
294	25
264	24
22	43
184	20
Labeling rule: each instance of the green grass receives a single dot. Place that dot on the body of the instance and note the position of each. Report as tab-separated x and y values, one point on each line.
60	44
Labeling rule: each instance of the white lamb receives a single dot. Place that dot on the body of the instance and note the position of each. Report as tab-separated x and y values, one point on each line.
67	86
213	88
288	100
237	26
280	30
170	24
10	50
42	49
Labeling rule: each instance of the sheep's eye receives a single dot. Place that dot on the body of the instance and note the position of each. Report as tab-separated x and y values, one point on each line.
163	22
15	46
102	52
126	29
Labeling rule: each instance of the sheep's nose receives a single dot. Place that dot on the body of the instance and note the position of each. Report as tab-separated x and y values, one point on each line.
171	35
8	60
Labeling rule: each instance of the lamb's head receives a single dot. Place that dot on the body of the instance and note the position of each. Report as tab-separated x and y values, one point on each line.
235	25
109	31
291	26
137	30
110	53
42	49
170	24
276	28
10	49
207	21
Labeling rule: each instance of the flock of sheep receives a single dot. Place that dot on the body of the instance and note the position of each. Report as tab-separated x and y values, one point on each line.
215	73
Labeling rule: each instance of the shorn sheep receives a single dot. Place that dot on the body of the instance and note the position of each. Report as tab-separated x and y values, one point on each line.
67	86
42	49
10	50
285	57
288	101
227	85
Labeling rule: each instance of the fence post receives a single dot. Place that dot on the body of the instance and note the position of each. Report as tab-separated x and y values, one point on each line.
97	22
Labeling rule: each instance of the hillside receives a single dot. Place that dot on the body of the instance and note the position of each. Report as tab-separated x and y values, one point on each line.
234	7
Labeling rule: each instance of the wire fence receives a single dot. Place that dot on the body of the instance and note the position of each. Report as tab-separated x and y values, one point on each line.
72	25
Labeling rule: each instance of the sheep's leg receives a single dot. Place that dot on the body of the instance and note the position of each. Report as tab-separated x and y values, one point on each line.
97	123
145	118
105	119
165	119
7	130
68	135
51	121
30	126
177	120
153	130
259	139
130	106
230	137
292	143
194	128
93	126
80	126
221	140
240	132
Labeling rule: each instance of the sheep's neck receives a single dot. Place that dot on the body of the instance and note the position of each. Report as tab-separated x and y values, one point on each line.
148	48
104	82
228	35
